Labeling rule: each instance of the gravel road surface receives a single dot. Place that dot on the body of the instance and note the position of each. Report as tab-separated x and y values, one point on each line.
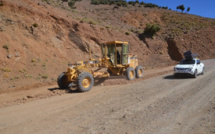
158	105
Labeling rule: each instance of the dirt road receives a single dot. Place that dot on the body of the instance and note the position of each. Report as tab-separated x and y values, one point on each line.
158	105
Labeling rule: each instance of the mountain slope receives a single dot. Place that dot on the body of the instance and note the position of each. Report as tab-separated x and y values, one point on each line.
39	38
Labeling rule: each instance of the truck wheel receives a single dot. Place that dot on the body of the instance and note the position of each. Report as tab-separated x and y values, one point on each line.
203	71
62	81
130	73
139	71
176	75
195	74
85	82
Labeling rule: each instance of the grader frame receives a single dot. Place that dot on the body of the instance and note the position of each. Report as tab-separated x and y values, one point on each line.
116	60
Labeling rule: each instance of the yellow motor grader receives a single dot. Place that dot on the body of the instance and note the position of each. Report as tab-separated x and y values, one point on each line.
116	60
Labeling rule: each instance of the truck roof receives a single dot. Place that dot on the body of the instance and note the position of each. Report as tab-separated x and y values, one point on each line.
116	42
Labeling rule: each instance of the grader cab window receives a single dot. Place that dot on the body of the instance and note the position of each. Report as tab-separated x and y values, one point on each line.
117	52
111	53
103	50
125	53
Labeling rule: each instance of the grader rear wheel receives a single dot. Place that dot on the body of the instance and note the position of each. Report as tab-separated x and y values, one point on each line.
139	71
85	82
130	73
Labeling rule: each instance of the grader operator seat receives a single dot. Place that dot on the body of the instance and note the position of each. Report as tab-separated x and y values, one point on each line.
117	51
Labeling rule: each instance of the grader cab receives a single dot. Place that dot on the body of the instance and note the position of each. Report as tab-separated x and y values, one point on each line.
116	60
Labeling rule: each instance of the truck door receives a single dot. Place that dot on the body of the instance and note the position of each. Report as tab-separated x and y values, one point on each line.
199	66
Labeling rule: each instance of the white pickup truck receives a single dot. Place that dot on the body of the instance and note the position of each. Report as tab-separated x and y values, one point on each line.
191	67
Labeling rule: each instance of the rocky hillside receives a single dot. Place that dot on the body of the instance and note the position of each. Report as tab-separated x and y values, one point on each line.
39	37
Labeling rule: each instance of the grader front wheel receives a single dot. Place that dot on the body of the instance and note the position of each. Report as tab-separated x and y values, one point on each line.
62	81
85	82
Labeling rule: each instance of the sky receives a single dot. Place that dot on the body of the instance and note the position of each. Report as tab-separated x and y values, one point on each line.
204	8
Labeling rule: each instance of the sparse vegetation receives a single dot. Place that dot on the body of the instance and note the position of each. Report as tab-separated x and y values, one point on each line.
109	2
142	3
6	75
177	25
151	29
188	9
180	7
44	65
132	3
1	3
35	25
6	47
150	5
92	22
22	70
71	4
137	2
127	33
6	69
164	7
43	76
87	20
33	60
15	78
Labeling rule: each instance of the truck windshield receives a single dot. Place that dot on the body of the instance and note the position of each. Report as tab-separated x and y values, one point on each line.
187	62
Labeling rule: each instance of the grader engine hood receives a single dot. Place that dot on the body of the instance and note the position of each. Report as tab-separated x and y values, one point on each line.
133	61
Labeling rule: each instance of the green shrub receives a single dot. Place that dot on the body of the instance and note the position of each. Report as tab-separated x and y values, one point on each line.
164	7
44	76
5	46
22	70
150	5
127	33
95	2
132	3
122	3
142	3
188	9
181	7
33	60
109	2
71	4
137	2
112	2
6	69
1	3
151	29
92	22
35	25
